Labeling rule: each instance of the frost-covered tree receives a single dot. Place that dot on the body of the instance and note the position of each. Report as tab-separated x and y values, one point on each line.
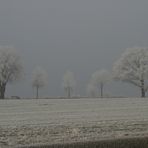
132	67
39	79
10	68
69	83
91	90
99	79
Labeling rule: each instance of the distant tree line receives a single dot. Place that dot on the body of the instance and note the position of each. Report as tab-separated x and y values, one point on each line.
131	67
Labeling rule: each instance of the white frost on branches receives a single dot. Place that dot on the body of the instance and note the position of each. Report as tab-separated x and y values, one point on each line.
100	76
10	68
39	79
69	83
10	65
132	67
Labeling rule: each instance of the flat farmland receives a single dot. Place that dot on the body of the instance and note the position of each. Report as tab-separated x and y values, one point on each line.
49	121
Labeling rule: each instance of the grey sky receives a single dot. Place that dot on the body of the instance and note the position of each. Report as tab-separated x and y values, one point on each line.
78	35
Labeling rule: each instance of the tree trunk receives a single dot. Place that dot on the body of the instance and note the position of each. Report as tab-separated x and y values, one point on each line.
2	91
37	92
142	93
69	92
101	89
142	89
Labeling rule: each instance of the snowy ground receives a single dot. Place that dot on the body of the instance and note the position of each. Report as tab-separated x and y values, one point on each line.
24	122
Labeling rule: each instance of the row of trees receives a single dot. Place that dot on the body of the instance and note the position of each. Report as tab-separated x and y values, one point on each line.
131	67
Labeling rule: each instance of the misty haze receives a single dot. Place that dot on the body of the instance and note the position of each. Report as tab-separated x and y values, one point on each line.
73	71
80	36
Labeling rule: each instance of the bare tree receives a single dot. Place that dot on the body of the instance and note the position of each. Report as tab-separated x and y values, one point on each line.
39	79
132	67
99	79
69	83
10	68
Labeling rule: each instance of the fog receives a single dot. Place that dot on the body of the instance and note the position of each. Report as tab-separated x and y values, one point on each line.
82	36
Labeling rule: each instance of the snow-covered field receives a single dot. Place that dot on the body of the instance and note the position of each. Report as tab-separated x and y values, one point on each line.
24	122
